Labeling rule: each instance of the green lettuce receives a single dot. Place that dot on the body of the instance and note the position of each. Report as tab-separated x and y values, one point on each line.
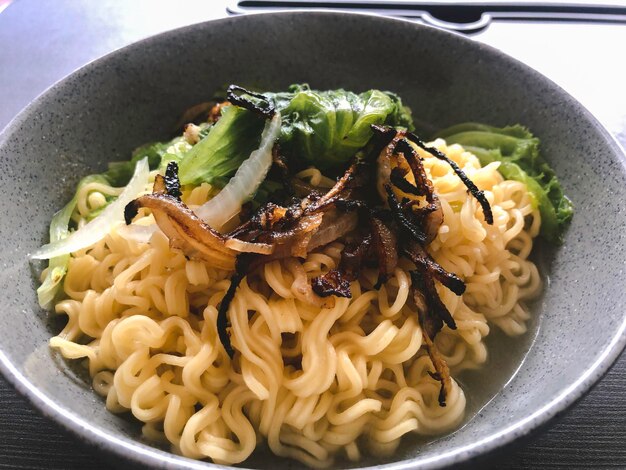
118	174
59	229
518	151
228	143
326	128
322	128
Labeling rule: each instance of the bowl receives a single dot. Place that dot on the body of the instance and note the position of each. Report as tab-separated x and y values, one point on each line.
136	94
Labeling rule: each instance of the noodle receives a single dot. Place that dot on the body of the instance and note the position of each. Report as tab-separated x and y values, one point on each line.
313	382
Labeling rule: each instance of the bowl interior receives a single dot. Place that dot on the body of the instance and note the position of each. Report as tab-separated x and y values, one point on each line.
136	95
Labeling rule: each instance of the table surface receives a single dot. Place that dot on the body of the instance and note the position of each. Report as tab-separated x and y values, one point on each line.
42	42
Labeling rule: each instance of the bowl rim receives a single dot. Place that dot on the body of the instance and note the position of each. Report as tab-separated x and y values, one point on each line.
148	455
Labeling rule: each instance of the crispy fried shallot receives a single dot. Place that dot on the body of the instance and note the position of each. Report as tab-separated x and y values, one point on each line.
302	287
263	106
195	114
442	371
421	258
397	178
241	269
184	230
422	182
425	282
404	222
404	185
172	184
333	193
215	113
331	283
354	256
383	163
376	230
477	193
386	245
280	166
430	322
431	325
191	133
209	111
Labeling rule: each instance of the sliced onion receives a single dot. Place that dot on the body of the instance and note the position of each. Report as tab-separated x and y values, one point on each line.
332	228
383	172
248	247
196	248
102	224
308	226
185	231
137	233
241	187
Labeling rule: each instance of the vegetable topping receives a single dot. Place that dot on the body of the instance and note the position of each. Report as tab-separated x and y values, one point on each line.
517	150
249	147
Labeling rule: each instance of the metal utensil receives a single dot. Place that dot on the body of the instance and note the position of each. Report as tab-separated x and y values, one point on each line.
461	16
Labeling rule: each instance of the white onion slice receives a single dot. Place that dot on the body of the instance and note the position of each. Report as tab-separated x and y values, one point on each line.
241	187
102	224
137	233
248	247
383	173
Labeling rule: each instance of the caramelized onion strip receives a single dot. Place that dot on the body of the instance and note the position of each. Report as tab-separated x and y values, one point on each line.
477	193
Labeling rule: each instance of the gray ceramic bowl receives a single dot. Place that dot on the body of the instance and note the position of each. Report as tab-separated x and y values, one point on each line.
136	94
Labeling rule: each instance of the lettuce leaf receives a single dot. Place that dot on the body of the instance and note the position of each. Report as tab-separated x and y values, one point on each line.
119	173
59	229
322	128
326	128
228	143
518	151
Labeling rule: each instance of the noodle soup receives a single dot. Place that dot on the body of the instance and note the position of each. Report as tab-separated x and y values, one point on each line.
322	317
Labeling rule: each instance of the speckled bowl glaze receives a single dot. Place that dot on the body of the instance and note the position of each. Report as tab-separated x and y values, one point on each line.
104	110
